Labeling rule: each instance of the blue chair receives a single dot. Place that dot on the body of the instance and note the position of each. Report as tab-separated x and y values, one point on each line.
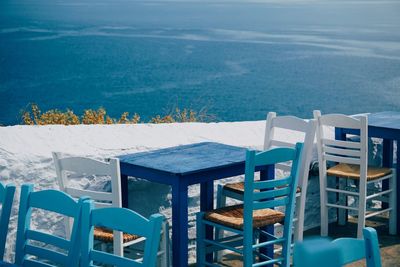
37	248
124	220
6	200
247	221
322	252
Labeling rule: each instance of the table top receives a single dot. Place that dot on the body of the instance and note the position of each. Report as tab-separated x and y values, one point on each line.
386	119
188	159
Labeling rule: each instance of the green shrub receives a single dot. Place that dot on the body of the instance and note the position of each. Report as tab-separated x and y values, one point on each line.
34	116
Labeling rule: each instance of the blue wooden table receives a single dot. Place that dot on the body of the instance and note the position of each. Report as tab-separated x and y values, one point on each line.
385	125
180	167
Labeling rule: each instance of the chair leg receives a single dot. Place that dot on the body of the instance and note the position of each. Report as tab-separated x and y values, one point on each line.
324	208
165	245
393	205
118	246
299	225
200	244
219	233
361	209
342	202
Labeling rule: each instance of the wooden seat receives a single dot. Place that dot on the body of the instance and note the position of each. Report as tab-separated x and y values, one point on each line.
106	235
232	216
239	187
353	171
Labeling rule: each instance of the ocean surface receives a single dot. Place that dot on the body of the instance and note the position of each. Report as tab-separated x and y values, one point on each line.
237	59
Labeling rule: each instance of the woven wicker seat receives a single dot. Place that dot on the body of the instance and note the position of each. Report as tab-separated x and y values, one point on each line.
232	216
106	235
239	187
353	171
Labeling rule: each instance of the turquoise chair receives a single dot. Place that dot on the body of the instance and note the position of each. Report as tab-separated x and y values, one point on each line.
322	252
36	248
124	220
246	222
6	200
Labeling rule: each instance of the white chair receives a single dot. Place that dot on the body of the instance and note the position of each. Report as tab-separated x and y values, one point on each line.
304	132
81	167
351	159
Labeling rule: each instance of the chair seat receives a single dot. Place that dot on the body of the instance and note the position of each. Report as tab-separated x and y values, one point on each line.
232	216
353	171
106	235
239	187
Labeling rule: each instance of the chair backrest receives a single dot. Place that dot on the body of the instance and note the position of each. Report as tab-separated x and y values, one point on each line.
340	151
37	248
124	220
303	132
67	167
6	201
272	193
341	251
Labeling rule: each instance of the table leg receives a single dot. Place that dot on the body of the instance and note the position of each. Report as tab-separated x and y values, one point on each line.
124	190
179	225
206	204
387	161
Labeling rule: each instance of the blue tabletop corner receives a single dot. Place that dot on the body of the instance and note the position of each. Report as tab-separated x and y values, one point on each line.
186	159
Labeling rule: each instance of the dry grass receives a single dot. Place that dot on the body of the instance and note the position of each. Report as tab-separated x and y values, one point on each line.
34	116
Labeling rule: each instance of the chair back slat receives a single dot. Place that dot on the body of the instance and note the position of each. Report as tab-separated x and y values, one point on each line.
280	192
48	239
110	259
54	201
34	263
41	199
278	143
340	143
81	165
269	184
119	219
274	155
6	199
114	218
95	195
48	254
341	121
290	123
338	159
341	152
283	201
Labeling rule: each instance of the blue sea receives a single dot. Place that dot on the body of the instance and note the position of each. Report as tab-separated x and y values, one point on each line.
236	59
